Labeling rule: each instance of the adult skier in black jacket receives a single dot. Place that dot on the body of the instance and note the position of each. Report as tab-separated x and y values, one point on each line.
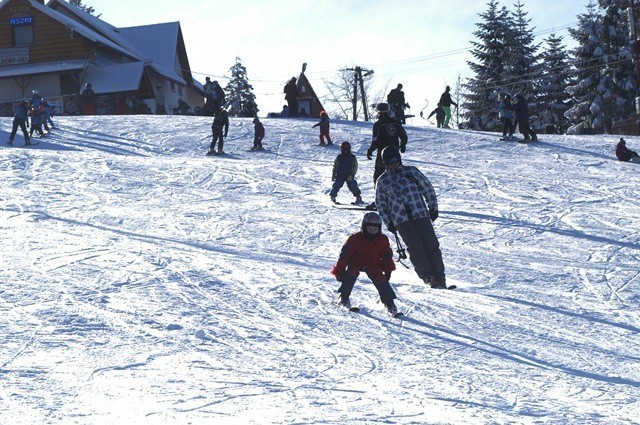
387	131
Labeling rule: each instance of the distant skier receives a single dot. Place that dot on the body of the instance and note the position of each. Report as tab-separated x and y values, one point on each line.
345	167
258	135
397	103
505	113
440	115
446	102
324	129
387	131
21	120
219	130
521	114
88	100
369	251
400	197
625	154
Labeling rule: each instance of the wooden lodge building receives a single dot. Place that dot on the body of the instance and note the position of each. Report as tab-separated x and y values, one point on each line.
58	48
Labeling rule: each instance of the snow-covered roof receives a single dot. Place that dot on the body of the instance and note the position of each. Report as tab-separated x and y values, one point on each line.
114	78
155	44
42	68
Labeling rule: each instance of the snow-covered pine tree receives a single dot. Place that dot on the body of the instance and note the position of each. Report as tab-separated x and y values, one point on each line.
239	93
491	53
620	65
523	71
557	75
590	88
78	3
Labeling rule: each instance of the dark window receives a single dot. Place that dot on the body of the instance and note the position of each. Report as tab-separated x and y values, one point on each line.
22	35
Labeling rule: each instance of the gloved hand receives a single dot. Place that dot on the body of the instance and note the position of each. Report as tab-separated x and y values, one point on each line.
338	277
350	178
387	276
369	154
392	228
433	214
403	148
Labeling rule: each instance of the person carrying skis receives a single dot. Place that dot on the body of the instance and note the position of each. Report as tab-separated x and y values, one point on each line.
21	120
368	251
446	102
521	112
258	135
219	130
400	197
505	113
623	153
440	115
387	131
397	103
345	167
324	129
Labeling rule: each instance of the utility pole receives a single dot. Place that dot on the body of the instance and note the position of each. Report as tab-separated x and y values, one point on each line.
358	80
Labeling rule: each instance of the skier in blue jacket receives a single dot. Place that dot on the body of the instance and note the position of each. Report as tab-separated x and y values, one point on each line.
20	119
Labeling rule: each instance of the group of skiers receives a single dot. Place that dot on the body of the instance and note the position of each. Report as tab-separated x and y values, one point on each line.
40	113
406	203
516	114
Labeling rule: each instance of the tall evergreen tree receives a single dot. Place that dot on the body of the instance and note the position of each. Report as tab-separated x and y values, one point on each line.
556	76
239	93
492	54
590	88
522	66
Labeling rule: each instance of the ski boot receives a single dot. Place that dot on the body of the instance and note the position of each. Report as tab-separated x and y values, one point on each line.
344	301
334	200
359	200
391	308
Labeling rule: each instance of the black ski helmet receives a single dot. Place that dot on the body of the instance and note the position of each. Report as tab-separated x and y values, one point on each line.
390	155
371	219
345	147
382	108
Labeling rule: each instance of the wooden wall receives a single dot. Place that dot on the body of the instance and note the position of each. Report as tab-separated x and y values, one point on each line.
52	41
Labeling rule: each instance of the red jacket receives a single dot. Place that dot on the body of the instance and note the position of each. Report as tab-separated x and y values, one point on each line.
374	256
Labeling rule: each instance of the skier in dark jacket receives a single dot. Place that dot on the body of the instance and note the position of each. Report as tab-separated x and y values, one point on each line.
397	103
401	193
368	251
440	115
446	102
219	130
505	113
21	120
345	167
623	153
521	114
387	131
324	129
258	135
292	96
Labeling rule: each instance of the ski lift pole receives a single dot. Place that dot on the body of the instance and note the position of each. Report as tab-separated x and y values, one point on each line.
422	110
402	255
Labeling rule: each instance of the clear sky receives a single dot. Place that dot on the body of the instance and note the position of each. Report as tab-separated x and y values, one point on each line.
422	44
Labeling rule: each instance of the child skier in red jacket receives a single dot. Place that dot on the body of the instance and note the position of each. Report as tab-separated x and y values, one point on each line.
369	251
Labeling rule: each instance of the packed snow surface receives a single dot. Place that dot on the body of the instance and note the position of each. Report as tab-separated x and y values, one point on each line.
144	282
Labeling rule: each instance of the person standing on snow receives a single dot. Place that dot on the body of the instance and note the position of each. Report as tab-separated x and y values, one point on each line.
368	251
21	120
292	96
446	102
88	100
440	115
324	129
521	112
397	103
345	167
160	101
219	130
387	131
258	135
505	113
400	197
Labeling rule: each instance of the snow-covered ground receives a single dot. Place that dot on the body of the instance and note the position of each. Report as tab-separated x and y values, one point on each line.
143	282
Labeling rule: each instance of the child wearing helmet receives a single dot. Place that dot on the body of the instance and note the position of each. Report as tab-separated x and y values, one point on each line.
369	251
345	167
408	204
324	129
258	135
